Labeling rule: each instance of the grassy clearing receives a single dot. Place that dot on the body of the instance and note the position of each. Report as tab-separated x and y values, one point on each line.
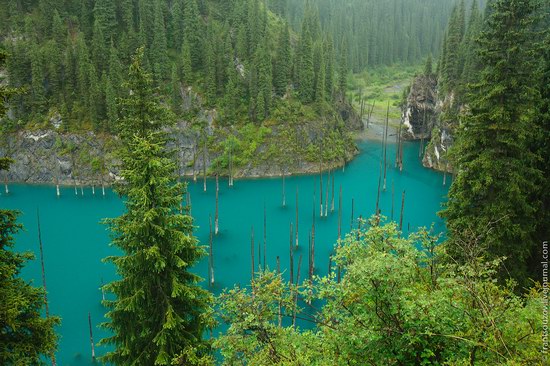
383	84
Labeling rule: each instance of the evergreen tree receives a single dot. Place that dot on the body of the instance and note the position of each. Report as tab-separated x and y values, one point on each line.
306	72
320	76
281	72
110	104
159	48
452	67
469	46
115	70
343	69
175	88
428	68
541	147
234	91
25	336
329	67
99	47
187	63
192	31
105	16
178	25
265	86
37	73
210	72
491	198
159	306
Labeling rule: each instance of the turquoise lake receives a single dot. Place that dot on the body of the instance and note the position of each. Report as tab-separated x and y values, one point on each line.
75	241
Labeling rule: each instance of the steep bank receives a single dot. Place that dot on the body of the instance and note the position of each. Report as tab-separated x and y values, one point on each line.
50	156
425	117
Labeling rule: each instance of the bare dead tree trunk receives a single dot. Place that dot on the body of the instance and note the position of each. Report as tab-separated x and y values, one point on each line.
326	195
265	236
284	188
332	195
402	209
313	237
352	213
46	303
291	253
386	145
392	198
217	219
91	336
297	217
280	303
252	253
296	292
204	164
211	256
378	194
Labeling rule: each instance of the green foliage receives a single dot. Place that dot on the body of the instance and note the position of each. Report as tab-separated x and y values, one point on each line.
159	311
395	304
493	194
25	336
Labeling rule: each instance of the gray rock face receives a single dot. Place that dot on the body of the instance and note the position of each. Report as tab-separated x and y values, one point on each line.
420	112
442	139
424	117
48	156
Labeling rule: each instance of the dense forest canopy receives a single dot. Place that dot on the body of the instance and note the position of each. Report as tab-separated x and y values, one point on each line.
242	57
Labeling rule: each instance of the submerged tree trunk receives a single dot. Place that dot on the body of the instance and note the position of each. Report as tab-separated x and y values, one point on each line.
204	165
280	317
211	256
284	189
265	236
91	336
216	224
252	253
291	254
402	209
297	218
386	145
46	303
378	194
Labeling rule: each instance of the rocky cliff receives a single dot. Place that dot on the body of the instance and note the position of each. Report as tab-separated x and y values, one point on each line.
50	156
425	117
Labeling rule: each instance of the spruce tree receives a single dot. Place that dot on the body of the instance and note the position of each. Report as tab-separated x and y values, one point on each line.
306	72
193	32
428	68
281	72
343	69
105	15
159	48
25	336
329	68
186	63
159	308
541	147
38	89
265	87
491	198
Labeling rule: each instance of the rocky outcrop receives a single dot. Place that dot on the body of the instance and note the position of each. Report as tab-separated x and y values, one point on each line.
425	117
420	114
351	119
53	157
442	137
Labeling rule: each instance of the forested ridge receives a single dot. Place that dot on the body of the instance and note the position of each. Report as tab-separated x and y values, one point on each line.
243	57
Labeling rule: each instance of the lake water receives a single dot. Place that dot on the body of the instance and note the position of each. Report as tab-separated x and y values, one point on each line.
75	241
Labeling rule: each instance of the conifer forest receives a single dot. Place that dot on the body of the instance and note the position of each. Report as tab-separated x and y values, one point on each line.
274	182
